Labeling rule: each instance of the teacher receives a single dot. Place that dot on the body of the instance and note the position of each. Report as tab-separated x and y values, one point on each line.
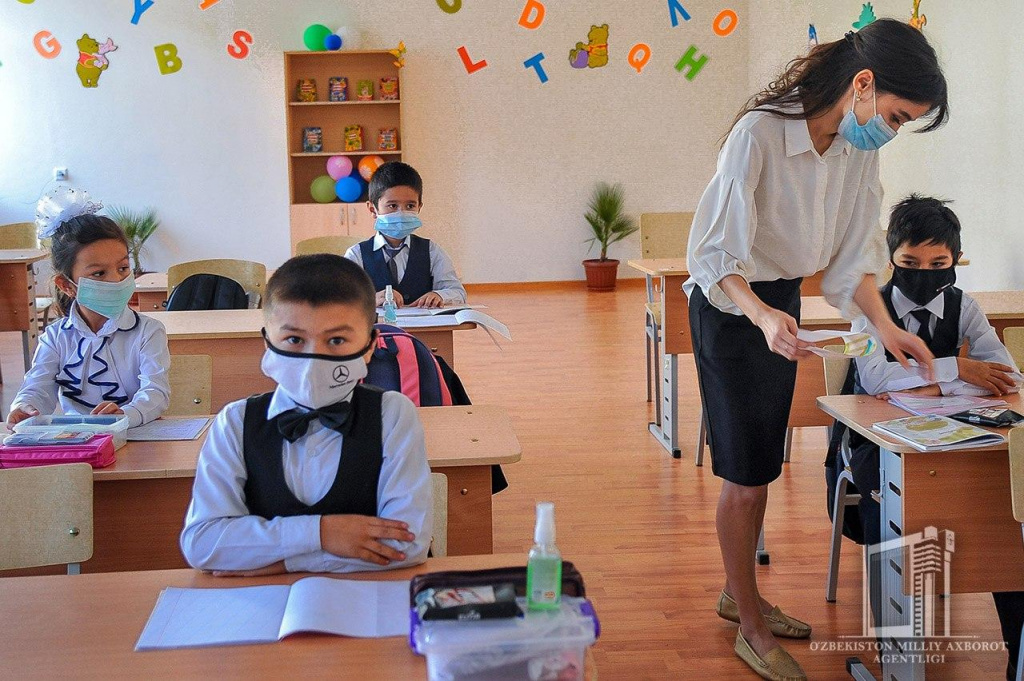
796	191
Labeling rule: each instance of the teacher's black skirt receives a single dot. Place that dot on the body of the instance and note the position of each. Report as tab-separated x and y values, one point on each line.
746	389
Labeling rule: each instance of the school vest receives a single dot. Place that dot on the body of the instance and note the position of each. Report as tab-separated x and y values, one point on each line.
354	490
417	280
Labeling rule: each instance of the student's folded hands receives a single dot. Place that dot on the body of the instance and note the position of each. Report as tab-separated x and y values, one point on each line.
358	536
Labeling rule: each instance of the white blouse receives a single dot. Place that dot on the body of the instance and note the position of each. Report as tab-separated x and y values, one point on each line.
125	362
775	209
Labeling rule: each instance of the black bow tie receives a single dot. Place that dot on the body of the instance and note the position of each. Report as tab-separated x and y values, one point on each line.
294	423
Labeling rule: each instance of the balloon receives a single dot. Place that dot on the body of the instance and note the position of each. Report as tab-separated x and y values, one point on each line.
339	167
368	166
322	189
348	189
314	37
349	37
332	42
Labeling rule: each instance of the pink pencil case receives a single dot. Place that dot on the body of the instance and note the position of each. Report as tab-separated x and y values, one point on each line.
97	452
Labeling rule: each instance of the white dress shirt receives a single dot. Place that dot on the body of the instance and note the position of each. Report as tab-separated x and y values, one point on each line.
221	534
877	375
775	209
446	281
128	357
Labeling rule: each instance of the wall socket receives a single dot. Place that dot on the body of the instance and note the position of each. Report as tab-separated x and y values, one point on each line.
60	174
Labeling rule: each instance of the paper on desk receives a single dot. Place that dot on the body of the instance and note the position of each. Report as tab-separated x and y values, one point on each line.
168	429
854	344
430	311
488	322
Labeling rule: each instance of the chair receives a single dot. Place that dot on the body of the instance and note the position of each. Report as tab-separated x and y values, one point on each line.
47	512
1013	338
251	275
439	542
326	244
1017	498
191	381
835	376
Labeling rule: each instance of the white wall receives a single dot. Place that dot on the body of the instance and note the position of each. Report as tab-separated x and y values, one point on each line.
508	162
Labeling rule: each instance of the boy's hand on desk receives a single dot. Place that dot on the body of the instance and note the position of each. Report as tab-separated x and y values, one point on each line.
431	299
992	376
20	414
399	301
273	569
107	408
358	536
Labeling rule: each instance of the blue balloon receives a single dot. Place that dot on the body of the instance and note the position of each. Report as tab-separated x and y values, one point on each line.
348	189
332	42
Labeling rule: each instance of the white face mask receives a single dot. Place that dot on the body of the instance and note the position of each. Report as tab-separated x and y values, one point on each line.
315	381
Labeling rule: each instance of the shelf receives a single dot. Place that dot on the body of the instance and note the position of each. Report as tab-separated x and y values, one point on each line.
367	152
321	53
349	103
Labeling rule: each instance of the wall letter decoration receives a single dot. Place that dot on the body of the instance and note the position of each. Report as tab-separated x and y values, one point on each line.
534	62
468	63
167	58
239	45
536	9
691	62
46	45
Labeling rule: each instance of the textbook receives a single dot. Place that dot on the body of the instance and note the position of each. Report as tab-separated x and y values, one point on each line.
486	321
190	618
937	433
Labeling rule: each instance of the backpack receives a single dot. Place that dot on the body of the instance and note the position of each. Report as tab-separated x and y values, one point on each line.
403	363
208	292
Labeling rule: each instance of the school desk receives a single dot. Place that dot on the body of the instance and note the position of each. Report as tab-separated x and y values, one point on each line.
140	501
87	625
233	340
966	491
151	289
18	296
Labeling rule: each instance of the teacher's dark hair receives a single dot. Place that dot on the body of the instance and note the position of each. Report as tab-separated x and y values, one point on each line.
903	62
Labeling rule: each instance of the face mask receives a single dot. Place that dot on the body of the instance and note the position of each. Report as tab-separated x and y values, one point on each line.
870	136
315	381
397	225
921	286
105	298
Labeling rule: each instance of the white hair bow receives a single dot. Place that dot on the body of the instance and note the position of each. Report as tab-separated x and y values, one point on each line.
61	204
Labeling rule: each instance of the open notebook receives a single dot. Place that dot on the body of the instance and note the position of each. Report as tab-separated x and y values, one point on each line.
937	433
188	618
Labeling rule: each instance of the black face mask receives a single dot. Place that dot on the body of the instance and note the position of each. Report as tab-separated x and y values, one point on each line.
921	286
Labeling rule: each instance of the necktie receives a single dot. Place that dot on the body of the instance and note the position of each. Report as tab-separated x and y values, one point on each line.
924	318
392	253
294	423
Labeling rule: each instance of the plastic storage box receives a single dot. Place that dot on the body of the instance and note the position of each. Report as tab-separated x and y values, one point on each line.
541	646
113	424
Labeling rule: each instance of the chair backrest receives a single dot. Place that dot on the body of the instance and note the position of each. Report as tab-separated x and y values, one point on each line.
18	235
251	275
47	516
326	244
439	543
207	292
664	235
191	380
1013	339
836	369
1017	472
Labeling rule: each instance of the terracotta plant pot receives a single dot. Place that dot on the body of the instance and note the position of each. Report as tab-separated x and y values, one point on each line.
601	274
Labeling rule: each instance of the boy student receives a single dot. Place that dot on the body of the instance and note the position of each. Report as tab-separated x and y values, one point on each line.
924	247
420	273
323	474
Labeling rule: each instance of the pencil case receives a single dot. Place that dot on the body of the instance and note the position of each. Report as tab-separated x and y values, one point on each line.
97	452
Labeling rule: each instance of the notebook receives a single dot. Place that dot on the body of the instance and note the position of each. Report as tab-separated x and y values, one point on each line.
190	618
937	433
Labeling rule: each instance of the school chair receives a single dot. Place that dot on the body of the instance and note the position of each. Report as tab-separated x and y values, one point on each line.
835	375
47	512
1017	498
251	275
191	382
326	244
1013	338
439	542
17	236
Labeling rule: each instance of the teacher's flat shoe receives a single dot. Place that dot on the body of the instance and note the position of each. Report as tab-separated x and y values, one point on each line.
776	665
778	622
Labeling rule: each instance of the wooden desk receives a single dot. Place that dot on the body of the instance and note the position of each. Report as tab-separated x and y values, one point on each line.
966	492
70	626
139	502
151	289
233	340
18	296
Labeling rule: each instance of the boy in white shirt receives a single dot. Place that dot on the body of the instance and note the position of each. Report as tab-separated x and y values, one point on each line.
323	474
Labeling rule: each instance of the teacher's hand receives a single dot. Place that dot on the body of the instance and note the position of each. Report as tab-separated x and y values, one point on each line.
780	331
902	343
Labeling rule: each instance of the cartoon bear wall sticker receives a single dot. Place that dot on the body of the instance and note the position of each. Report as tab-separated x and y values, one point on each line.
594	54
92	60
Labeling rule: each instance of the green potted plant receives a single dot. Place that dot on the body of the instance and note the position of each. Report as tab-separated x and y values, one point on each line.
138	226
609	225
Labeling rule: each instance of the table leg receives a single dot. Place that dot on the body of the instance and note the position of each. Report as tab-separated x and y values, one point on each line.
470	524
667	432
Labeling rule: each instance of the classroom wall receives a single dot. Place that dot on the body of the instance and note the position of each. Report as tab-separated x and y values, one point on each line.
508	161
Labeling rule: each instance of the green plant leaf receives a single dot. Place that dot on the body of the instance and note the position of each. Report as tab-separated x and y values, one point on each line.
138	226
605	216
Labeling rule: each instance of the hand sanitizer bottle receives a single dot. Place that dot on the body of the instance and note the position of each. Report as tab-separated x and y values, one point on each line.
390	316
544	567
